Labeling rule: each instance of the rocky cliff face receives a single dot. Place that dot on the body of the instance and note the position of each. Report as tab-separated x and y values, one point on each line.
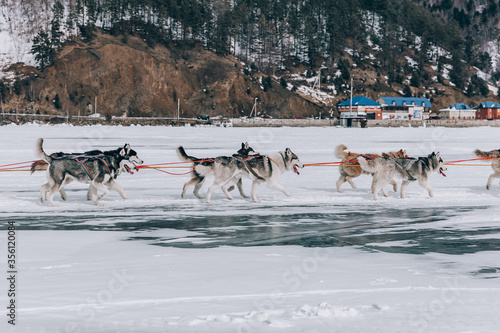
125	76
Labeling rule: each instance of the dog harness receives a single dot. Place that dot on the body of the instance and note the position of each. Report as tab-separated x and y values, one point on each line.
252	171
368	156
82	159
405	166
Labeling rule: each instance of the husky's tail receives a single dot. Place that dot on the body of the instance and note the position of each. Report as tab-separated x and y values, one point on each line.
339	151
185	157
367	165
38	166
40	153
480	153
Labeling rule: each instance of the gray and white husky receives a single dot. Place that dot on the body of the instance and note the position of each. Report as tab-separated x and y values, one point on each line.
204	167
494	164
94	169
42	166
409	169
259	169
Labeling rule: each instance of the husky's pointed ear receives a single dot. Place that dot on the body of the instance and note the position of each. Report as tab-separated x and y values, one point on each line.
127	148
242	145
246	146
122	152
288	151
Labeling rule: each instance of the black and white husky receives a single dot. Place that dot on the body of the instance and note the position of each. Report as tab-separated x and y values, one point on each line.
259	169
42	166
494	164
94	168
204	167
409	169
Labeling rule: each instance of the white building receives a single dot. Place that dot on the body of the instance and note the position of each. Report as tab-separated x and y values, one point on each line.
458	111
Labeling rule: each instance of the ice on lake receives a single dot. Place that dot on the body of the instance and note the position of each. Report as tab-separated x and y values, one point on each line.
319	261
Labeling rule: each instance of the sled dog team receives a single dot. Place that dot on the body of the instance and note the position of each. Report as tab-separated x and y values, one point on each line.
100	169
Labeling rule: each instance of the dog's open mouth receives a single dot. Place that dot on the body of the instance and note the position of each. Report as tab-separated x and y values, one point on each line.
295	169
441	171
128	169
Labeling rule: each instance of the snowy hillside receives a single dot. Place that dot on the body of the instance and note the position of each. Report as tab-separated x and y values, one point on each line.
296	43
19	22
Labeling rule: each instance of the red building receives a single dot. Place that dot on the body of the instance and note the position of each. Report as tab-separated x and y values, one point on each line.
488	110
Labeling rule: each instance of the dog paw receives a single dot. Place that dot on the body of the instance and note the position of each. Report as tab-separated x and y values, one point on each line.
487	187
55	205
99	204
257	201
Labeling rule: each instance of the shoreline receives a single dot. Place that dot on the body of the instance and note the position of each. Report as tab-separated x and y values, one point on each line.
8	119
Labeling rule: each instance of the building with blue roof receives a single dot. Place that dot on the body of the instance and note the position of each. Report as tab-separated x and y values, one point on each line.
405	107
488	110
361	107
458	111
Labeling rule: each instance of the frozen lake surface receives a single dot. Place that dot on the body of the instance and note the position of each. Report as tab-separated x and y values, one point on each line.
319	261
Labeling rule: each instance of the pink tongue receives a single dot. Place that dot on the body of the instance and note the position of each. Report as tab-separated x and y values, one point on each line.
295	169
442	172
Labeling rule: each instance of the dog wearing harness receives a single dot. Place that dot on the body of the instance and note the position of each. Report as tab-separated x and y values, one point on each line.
250	169
99	169
385	168
404	165
42	166
350	169
203	167
259	169
495	155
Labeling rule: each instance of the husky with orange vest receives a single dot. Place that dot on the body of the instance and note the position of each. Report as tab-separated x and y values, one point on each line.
349	168
494	154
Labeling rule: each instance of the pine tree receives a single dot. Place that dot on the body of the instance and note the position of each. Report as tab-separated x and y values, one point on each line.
17	87
42	49
458	75
407	91
55	25
415	79
3	91
267	83
57	102
283	82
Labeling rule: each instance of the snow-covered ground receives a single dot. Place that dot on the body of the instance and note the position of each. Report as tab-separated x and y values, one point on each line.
319	261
